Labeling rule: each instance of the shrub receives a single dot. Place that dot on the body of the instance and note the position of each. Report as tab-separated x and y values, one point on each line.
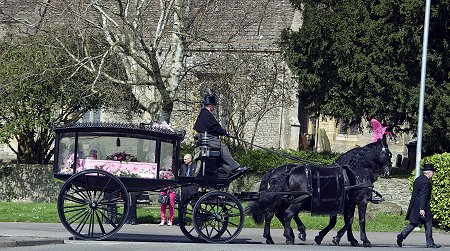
440	202
260	161
185	149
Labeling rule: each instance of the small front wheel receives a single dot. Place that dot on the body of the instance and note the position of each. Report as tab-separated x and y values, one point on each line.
218	217
93	204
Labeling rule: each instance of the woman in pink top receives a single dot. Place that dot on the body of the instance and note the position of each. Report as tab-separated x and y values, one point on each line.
172	194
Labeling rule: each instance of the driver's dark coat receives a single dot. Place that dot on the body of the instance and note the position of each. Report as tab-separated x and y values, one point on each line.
420	199
206	122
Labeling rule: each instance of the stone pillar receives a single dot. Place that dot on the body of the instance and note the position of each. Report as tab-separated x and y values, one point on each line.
294	137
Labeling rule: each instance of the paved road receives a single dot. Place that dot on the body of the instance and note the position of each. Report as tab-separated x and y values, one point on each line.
152	236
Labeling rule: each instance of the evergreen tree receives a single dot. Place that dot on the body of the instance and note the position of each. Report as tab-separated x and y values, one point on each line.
362	59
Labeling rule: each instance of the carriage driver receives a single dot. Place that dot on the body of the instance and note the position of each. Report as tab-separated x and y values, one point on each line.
206	122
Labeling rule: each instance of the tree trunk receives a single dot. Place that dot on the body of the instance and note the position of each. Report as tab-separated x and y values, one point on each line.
35	149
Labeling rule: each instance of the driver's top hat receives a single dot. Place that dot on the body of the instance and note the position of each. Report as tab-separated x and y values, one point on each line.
209	100
428	167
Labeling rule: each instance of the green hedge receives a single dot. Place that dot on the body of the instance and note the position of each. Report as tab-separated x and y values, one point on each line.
260	161
440	201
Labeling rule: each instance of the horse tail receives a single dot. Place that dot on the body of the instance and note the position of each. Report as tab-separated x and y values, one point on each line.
268	200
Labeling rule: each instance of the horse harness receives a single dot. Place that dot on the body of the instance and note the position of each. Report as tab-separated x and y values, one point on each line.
333	180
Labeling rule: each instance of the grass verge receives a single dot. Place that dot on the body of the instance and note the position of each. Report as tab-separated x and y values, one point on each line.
47	212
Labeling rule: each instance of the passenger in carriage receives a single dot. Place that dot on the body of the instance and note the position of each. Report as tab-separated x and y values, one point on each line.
70	156
92	154
206	122
187	169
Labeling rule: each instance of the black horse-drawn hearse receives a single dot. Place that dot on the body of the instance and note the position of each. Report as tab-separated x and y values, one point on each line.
101	163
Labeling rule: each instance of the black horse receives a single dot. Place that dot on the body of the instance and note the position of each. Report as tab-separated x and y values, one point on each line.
360	165
359	195
266	181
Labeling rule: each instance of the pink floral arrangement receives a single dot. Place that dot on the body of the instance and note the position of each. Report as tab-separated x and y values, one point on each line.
168	175
122	156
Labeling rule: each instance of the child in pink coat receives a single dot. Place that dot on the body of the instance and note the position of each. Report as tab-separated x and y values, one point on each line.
172	194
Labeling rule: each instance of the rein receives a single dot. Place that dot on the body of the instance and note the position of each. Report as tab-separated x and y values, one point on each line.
345	169
276	152
359	186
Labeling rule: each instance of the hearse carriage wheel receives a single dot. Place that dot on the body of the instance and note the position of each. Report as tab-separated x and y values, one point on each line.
93	204
218	217
185	219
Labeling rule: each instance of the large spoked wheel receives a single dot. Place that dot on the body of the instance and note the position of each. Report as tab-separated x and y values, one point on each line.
185	218
218	217
93	204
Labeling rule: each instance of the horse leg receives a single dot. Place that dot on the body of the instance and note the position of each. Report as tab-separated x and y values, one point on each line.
301	228
266	234
348	221
280	215
353	241
289	213
318	239
362	207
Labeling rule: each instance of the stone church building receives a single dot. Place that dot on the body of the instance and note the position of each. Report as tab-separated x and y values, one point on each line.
285	125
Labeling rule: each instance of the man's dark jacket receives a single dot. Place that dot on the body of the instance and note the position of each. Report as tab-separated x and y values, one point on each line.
206	122
420	200
184	168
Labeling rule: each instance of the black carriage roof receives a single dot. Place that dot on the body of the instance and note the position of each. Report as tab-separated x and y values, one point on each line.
143	129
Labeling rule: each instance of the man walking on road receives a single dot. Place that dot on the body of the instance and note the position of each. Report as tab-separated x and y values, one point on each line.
419	207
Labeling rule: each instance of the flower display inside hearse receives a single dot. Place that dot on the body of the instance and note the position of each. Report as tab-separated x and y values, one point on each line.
120	164
122	173
166	174
122	156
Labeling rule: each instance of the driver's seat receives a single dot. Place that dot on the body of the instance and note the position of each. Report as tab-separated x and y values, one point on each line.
208	157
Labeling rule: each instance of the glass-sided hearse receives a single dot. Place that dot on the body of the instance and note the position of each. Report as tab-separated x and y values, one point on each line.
102	162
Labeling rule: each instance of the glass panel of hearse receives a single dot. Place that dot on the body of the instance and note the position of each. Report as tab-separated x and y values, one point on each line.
122	155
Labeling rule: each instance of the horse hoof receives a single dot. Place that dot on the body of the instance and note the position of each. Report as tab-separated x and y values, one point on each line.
318	239
336	241
367	244
269	241
290	242
354	244
302	237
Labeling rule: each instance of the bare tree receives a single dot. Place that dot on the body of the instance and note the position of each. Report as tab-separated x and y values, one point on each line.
249	85
150	37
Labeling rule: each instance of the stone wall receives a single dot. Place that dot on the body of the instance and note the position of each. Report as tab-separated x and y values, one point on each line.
28	182
36	183
394	190
341	143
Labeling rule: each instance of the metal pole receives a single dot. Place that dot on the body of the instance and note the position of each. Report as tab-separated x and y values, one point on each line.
422	86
